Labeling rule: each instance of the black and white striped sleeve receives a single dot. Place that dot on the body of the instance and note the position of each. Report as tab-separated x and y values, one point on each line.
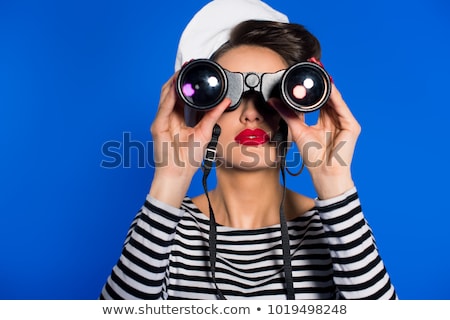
359	272
141	269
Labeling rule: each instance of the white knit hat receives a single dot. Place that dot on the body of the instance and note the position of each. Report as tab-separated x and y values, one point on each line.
210	27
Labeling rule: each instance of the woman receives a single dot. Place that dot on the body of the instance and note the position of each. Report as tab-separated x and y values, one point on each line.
250	237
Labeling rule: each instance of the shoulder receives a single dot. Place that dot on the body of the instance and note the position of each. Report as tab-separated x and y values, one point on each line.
201	204
297	204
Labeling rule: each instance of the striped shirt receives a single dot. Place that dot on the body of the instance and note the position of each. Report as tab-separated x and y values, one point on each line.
333	253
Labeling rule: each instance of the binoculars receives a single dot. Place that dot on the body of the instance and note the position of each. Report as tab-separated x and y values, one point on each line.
202	84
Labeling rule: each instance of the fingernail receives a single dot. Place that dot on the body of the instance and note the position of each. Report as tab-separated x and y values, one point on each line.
186	62
313	59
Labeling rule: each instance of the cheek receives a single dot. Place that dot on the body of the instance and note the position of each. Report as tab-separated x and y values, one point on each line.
226	139
227	123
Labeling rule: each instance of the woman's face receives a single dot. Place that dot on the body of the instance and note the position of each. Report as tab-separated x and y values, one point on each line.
245	140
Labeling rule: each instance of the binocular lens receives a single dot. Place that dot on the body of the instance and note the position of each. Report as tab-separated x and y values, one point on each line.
202	85
306	87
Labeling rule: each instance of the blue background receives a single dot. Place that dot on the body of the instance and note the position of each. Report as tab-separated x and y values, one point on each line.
77	74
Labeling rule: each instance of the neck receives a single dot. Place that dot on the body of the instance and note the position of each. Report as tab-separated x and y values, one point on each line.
247	199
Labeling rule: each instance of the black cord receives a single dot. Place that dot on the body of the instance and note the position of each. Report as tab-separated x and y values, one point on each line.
208	163
285	242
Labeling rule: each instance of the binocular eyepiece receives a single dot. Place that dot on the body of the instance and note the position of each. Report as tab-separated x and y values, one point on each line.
202	84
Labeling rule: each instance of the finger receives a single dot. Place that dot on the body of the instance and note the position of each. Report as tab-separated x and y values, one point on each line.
168	97
336	114
340	106
285	112
292	118
211	117
167	104
328	118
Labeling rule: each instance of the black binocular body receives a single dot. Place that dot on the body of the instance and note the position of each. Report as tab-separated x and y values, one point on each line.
202	84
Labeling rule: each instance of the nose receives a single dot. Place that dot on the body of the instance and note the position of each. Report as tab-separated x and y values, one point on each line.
251	109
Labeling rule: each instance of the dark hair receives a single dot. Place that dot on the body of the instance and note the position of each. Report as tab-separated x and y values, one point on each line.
290	40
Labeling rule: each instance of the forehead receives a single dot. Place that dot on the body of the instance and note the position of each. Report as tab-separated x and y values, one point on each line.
246	58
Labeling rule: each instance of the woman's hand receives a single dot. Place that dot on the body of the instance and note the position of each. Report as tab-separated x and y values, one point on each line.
178	149
327	147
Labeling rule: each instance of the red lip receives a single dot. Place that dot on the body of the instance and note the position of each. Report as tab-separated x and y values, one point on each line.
251	137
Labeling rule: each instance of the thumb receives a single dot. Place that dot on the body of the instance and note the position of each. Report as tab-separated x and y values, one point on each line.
210	118
294	120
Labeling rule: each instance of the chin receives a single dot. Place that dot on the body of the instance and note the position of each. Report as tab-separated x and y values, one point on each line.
249	164
249	158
